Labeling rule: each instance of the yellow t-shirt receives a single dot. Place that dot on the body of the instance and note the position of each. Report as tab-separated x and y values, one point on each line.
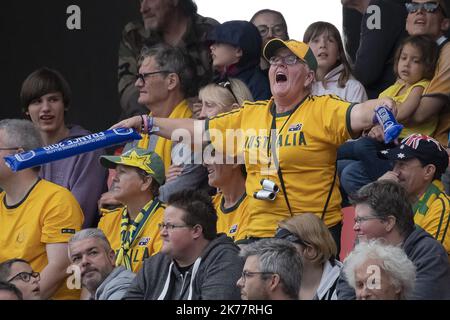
148	243
48	214
307	142
427	127
432	213
232	221
440	87
164	146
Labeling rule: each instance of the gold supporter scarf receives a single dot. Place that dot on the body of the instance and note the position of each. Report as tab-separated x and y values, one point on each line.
129	232
164	146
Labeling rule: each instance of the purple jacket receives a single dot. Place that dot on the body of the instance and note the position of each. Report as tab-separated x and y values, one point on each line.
82	175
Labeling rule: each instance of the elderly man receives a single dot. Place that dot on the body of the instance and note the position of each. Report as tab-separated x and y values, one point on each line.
37	217
290	140
420	162
195	263
19	273
272	271
172	22
384	212
89	249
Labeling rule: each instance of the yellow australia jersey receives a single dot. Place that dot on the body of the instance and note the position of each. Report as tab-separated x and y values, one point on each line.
48	214
440	87
147	244
164	146
432	213
232	221
306	142
427	127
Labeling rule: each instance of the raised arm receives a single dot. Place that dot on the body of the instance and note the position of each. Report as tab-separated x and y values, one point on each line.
167	127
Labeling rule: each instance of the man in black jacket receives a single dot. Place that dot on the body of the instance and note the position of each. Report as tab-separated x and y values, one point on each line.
195	263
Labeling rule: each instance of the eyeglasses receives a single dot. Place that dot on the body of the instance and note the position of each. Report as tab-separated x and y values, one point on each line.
285	234
429	7
249	274
289	60
26	276
143	76
277	30
227	85
170	226
358	220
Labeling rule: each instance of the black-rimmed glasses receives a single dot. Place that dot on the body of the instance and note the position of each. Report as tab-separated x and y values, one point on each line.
227	85
26	276
429	7
170	226
145	75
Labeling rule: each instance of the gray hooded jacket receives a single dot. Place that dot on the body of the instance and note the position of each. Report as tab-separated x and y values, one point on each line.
213	276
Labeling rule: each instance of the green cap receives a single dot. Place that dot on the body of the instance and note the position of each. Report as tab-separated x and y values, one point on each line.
148	161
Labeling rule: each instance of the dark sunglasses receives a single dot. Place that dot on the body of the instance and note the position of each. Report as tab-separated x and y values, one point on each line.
227	85
143	76
289	236
429	7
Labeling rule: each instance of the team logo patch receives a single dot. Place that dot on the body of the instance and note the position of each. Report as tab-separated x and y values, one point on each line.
143	242
71	231
295	127
233	229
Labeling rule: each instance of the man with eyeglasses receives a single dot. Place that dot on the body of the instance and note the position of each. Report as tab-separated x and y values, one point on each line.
165	80
176	23
37	217
195	263
271	24
383	211
19	273
290	140
272	271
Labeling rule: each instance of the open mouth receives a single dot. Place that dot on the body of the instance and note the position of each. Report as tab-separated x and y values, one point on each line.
323	55
280	77
46	117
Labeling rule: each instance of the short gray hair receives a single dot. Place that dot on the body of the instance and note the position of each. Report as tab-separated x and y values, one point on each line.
90	233
281	257
21	133
174	60
395	262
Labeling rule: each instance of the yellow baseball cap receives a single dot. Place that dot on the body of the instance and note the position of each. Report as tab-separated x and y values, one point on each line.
148	161
300	49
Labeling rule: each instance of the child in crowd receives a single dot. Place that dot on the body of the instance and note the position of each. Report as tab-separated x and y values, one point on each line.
333	74
414	65
235	51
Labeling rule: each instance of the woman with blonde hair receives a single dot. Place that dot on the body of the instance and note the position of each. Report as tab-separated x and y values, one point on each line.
222	97
315	244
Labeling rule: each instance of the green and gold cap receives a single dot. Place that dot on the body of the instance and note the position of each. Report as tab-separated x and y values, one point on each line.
148	161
